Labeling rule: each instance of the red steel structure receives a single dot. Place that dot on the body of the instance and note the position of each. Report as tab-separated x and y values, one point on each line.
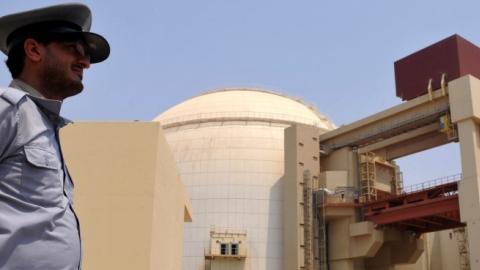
430	209
452	57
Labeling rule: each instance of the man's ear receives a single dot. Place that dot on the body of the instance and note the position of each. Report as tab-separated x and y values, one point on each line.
34	50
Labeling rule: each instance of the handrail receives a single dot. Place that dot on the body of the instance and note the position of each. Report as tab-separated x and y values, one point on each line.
432	183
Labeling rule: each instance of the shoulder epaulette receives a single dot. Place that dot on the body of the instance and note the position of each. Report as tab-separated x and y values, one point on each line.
12	95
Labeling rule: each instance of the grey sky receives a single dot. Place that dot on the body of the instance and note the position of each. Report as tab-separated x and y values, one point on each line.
337	55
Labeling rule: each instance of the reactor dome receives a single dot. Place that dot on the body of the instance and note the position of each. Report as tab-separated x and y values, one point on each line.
229	149
243	103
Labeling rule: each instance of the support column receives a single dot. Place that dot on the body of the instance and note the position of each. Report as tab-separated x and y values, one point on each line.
469	188
465	110
301	155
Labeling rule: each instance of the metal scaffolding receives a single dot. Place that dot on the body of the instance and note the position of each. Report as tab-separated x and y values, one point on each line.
320	244
368	177
308	222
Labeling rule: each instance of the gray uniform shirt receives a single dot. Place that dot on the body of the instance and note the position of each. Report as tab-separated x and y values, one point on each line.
38	227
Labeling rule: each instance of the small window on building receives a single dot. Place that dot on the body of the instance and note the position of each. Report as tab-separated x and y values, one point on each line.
223	249
234	249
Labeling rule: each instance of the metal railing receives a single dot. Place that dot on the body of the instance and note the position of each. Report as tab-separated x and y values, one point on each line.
432	183
341	195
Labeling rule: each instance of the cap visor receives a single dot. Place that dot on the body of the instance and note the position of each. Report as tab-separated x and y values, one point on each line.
98	47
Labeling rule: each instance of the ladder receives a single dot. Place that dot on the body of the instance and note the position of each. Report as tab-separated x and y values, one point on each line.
398	181
367	177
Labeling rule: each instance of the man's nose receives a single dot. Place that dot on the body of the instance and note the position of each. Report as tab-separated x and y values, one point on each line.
85	61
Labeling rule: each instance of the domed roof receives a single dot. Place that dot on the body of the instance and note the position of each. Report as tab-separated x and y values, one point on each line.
245	104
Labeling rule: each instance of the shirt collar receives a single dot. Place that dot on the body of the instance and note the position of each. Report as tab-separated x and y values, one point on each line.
49	106
18	84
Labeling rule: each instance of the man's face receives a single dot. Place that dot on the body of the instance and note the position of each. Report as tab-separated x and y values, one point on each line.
63	66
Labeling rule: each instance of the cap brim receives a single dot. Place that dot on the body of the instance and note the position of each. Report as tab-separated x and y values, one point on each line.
98	47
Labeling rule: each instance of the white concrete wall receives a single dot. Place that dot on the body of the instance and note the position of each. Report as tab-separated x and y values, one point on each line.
232	172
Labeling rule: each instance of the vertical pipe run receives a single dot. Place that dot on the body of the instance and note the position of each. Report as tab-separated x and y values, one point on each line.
308	224
320	230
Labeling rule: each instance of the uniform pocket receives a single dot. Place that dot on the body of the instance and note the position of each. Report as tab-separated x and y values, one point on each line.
41	158
41	177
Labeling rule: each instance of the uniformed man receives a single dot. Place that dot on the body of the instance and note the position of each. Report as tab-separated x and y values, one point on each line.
48	50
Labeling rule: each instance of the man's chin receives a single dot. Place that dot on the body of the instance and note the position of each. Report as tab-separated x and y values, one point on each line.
75	88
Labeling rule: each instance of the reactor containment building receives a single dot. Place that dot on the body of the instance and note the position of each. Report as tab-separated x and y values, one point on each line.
229	147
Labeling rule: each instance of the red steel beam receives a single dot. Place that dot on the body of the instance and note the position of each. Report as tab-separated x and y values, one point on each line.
430	192
426	220
438	228
451	216
417	210
413	224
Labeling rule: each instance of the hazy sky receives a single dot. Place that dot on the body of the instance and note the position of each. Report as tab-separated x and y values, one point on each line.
337	55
